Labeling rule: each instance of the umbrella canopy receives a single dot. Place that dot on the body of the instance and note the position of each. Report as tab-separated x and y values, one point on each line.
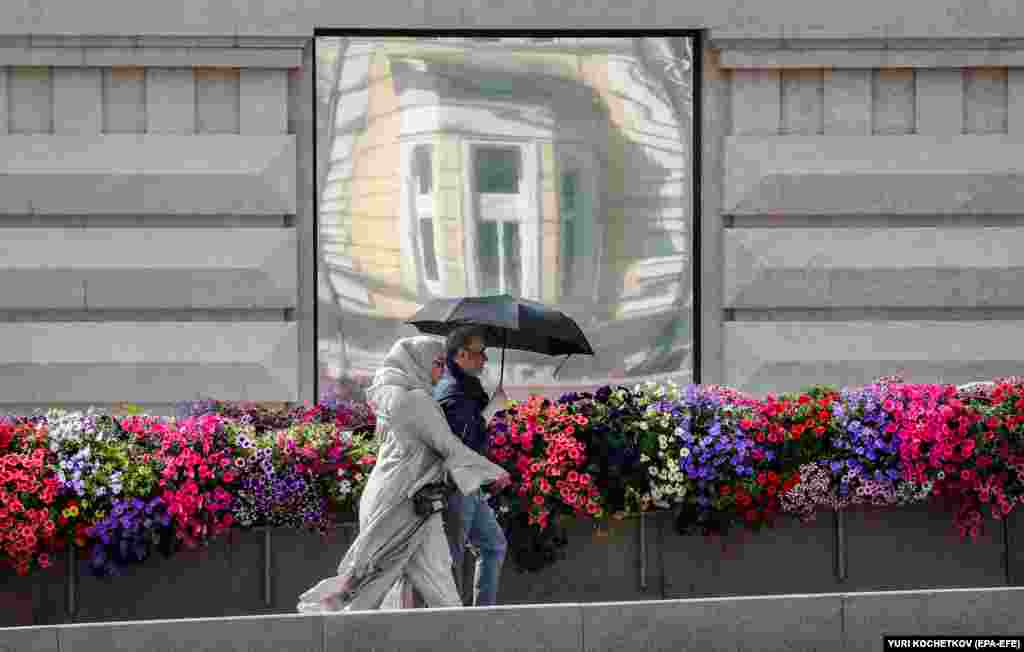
511	323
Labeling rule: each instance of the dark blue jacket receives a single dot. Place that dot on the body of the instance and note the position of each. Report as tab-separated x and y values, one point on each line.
463	400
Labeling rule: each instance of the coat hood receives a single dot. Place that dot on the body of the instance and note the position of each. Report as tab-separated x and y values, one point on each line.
406	366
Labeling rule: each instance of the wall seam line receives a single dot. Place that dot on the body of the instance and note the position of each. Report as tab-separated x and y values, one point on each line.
842	620
583	631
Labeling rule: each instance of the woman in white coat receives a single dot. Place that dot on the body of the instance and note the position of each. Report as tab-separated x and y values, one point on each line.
416	448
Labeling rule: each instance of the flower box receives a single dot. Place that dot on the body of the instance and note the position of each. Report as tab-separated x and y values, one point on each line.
914	547
706	457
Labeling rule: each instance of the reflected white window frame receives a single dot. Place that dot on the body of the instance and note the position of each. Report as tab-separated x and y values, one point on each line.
527	203
415	207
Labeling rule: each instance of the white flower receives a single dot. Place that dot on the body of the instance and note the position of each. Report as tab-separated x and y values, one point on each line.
652	470
643	425
941	475
644	458
684	452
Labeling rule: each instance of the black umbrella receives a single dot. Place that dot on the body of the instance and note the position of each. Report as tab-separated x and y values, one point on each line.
511	323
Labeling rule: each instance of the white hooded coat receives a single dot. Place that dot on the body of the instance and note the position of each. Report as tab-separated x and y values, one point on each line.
416	448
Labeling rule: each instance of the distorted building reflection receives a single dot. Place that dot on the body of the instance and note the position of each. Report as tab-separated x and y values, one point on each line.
553	169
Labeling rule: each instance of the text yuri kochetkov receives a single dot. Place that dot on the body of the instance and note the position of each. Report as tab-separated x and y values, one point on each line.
953	642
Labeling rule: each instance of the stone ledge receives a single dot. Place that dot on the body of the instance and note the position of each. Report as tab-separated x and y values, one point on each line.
880	175
786	356
166	57
857	267
833	621
147	362
148	269
148	174
868	58
824	19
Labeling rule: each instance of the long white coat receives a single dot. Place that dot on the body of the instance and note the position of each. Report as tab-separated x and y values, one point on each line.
416	448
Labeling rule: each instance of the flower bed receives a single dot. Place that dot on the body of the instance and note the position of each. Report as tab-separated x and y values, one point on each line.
122	487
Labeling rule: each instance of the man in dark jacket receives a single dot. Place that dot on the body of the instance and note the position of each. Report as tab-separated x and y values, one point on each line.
463	400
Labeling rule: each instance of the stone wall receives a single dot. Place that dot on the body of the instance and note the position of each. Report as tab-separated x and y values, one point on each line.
155	220
870	214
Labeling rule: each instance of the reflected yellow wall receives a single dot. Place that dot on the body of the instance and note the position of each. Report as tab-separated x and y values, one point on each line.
375	199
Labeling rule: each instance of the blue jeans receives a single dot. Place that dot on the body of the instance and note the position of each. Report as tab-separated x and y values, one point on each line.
480	528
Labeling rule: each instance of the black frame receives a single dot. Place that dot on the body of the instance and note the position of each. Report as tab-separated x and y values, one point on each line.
697	38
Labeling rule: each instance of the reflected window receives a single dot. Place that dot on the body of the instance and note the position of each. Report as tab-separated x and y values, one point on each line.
569	205
510	255
422	174
423	168
497	170
500	252
497	175
490	259
429	252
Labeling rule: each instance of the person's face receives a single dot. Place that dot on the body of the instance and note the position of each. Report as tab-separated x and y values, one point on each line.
437	369
472	357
